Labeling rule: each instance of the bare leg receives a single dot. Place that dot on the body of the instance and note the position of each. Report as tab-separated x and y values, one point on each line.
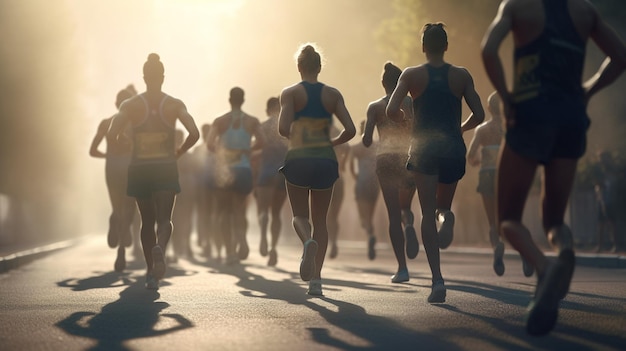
396	235
320	201
427	190
263	201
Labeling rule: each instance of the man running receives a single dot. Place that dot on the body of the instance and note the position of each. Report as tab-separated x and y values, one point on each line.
546	123
437	155
153	173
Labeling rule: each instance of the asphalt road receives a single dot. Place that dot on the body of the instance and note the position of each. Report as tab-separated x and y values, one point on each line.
70	299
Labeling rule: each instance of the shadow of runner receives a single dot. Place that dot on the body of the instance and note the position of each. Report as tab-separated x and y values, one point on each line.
379	333
136	314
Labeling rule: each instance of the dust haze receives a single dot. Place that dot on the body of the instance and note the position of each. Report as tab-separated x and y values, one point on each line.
62	62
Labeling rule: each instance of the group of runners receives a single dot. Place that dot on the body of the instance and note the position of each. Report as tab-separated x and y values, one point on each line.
420	149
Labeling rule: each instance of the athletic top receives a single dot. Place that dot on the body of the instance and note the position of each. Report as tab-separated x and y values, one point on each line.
236	143
437	125
153	138
393	137
275	148
310	129
489	157
551	66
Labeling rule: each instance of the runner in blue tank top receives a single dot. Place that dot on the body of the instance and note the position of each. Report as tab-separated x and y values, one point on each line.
231	140
270	190
311	165
153	174
546	123
437	154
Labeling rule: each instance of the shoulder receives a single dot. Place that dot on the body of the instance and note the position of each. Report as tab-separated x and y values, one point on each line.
377	104
461	71
414	71
290	89
331	90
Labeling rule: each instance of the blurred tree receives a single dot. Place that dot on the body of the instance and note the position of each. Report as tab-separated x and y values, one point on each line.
37	116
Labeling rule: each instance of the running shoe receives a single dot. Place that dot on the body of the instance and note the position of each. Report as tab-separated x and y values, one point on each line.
412	245
159	266
527	268
446	230
568	260
498	263
401	276
315	288
307	264
263	246
438	292
120	262
273	259
151	282
543	311
371	251
244	250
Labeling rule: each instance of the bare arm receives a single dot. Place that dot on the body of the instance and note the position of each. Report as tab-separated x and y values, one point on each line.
473	101
259	136
497	32
118	123
285	118
473	157
212	137
352	161
611	44
370	123
103	128
349	130
393	110
190	125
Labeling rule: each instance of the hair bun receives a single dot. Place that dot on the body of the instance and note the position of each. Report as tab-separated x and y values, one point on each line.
154	57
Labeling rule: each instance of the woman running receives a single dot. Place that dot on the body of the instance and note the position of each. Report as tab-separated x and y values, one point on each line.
117	158
396	182
311	166
366	189
270	188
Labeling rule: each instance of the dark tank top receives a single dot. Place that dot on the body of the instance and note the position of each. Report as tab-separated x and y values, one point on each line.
551	66
437	126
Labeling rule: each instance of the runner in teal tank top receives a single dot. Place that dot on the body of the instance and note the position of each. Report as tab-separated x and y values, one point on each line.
311	165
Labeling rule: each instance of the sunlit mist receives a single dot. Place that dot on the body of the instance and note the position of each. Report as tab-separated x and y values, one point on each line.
62	63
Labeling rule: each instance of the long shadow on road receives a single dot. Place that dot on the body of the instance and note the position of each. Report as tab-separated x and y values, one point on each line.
134	315
378	333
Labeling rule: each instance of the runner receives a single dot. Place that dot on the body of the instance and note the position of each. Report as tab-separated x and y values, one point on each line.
341	151
487	139
231	140
437	154
546	122
366	189
311	166
396	183
117	158
152	173
270	189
